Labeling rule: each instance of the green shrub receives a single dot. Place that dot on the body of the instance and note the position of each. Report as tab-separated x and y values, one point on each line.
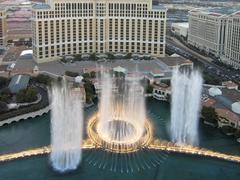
43	79
5	95
93	74
3	107
3	82
128	56
86	75
78	57
71	74
93	57
27	95
110	56
89	90
209	79
209	114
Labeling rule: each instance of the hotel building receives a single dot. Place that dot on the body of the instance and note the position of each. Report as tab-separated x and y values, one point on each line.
207	30
69	27
3	28
232	46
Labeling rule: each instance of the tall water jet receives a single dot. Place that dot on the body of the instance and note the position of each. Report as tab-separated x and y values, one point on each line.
105	102
66	128
122	115
185	106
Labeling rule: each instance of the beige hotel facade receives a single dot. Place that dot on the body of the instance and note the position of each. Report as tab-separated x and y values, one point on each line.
69	27
3	27
216	31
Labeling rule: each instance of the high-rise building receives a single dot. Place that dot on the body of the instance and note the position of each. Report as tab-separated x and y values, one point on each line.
207	30
3	28
232	47
68	27
216	31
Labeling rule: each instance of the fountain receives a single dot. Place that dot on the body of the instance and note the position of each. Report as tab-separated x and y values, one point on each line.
120	125
186	98
66	128
119	136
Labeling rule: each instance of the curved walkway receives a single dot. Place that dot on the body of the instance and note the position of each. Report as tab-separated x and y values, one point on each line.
26	116
29	111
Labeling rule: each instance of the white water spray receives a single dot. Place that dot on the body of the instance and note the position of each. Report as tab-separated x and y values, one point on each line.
66	129
185	106
122	111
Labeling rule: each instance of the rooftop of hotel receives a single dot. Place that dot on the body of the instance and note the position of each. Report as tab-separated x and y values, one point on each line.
41	6
184	24
158	7
217	11
46	6
236	14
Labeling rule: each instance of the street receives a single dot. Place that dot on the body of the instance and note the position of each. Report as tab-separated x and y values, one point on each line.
178	47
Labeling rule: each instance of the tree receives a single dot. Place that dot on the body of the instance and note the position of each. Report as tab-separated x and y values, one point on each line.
63	59
3	107
89	90
149	89
93	74
93	57
5	95
27	95
110	56
78	57
209	114
128	56
71	74
86	75
3	82
209	79
119	74
43	79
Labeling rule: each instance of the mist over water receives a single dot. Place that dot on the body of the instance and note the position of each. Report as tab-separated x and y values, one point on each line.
66	128
185	106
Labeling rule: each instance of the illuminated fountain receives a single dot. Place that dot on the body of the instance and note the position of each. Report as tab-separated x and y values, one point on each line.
66	128
120	126
185	106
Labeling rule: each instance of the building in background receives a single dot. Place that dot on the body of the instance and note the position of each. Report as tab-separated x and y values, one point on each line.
3	28
63	28
232	46
19	30
180	29
207	30
217	32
